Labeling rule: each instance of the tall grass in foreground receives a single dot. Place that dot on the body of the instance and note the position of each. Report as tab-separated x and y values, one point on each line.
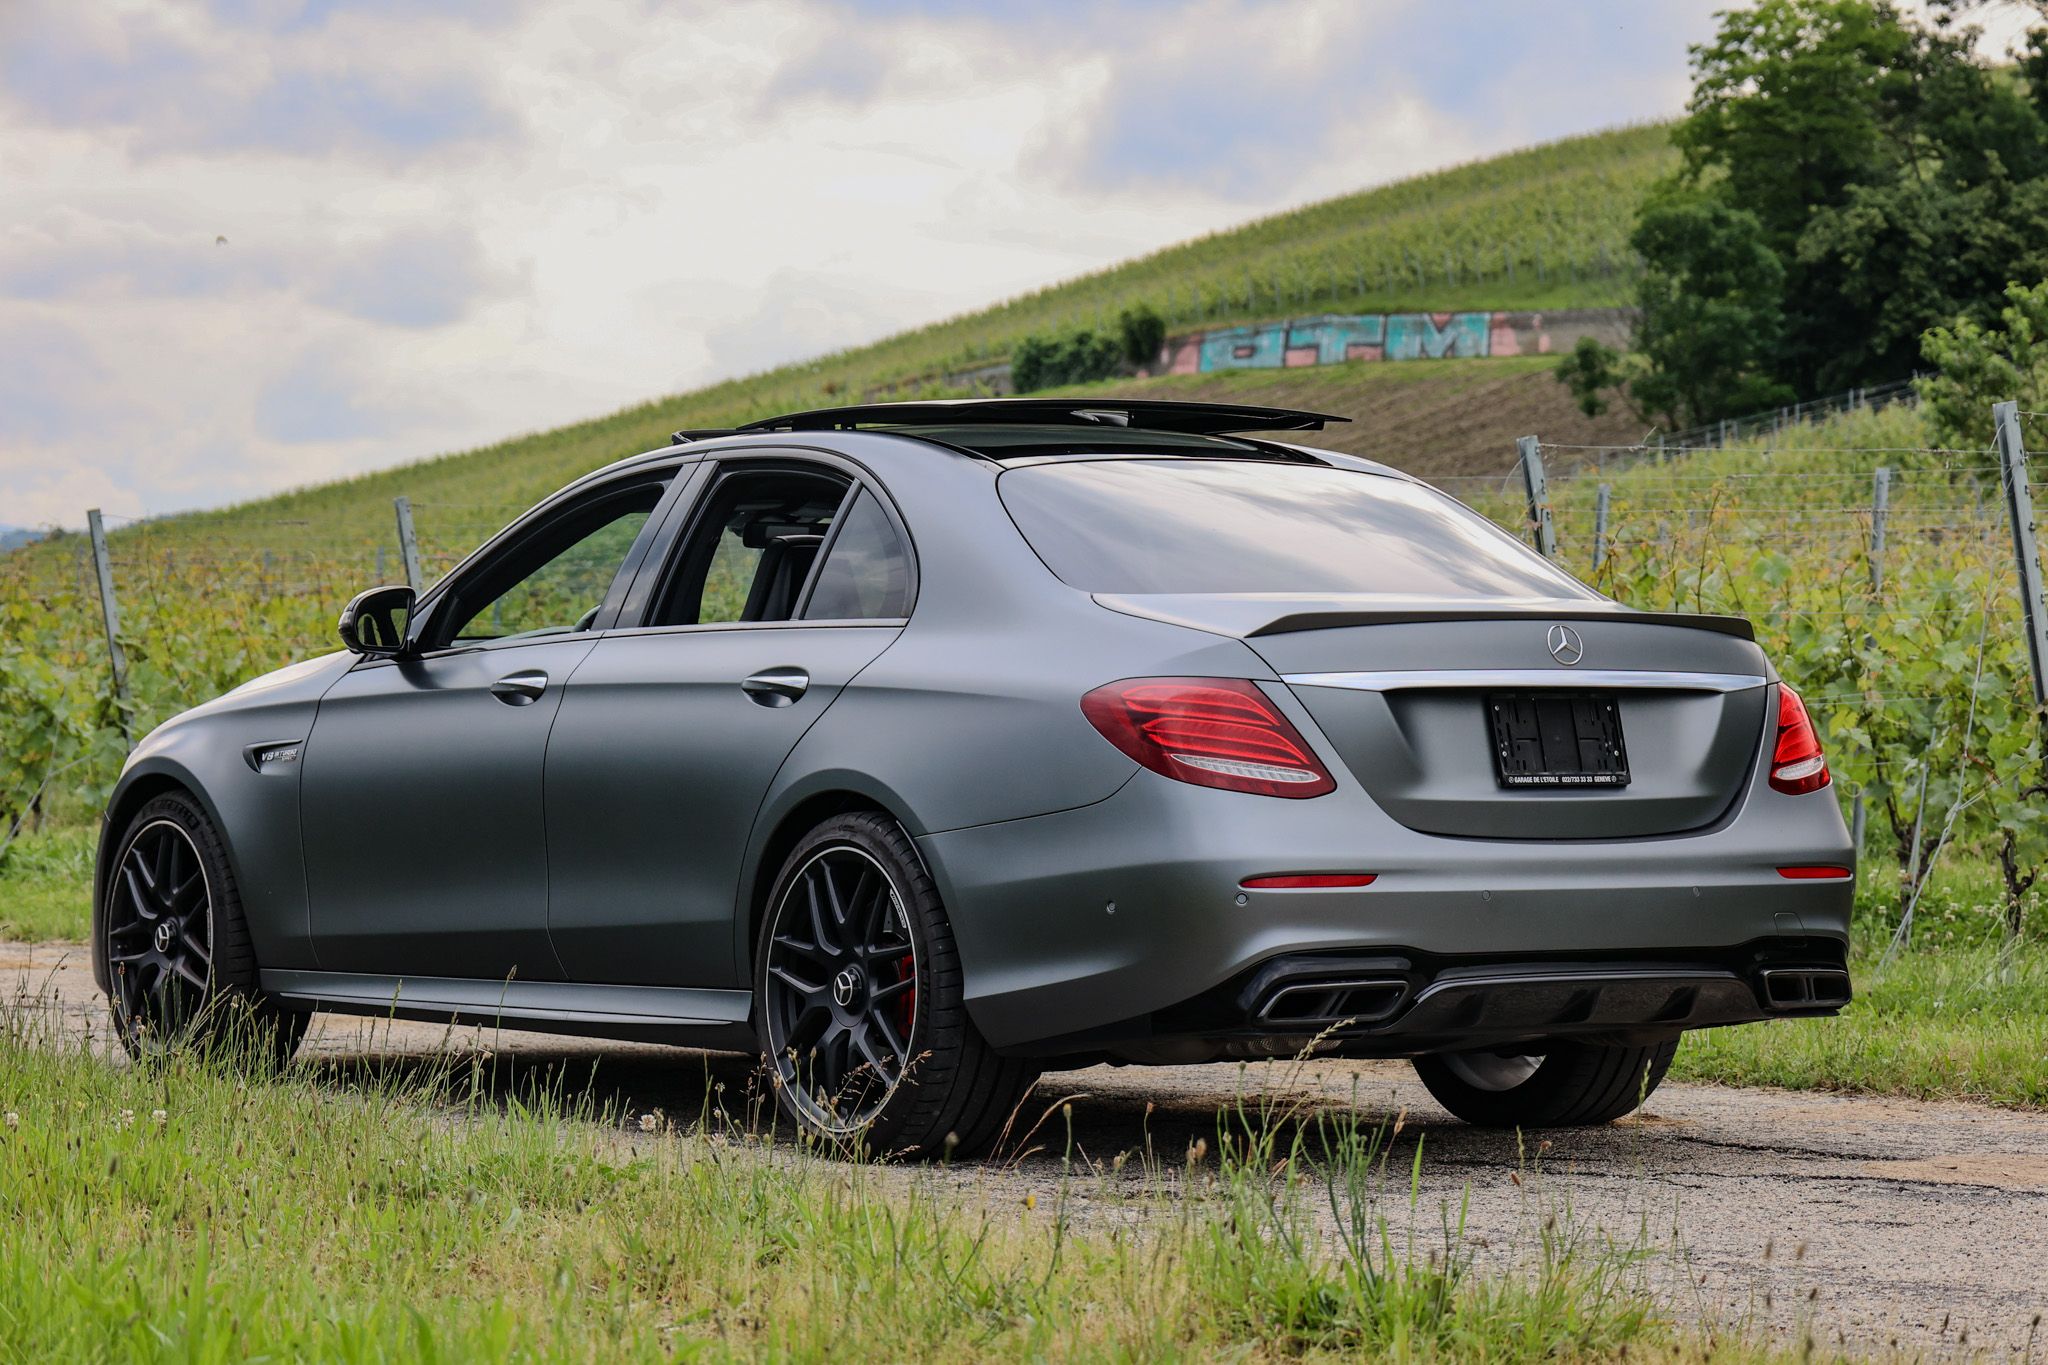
193	1212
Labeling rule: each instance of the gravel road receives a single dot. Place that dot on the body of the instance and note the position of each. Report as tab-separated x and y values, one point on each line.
1864	1222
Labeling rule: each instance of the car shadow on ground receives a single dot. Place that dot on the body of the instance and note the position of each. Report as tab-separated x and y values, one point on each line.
1097	1120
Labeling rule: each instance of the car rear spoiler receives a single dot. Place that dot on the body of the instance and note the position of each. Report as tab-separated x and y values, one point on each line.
1249	615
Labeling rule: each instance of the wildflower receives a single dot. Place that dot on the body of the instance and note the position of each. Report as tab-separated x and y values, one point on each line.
157	1116
13	1120
1030	1201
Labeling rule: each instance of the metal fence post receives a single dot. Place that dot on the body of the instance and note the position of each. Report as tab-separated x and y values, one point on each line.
1880	504
408	543
2026	549
1539	496
1601	500
110	615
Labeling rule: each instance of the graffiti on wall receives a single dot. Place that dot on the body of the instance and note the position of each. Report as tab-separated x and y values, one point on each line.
1333	338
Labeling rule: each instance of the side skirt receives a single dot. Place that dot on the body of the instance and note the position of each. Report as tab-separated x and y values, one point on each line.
682	1015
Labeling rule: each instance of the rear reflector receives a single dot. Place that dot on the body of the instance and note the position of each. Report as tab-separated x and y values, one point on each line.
1797	764
1308	881
1817	872
1212	732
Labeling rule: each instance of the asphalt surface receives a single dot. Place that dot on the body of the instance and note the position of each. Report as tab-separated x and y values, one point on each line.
1864	1223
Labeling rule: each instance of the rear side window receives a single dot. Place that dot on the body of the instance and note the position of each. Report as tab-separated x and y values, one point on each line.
750	549
866	574
1217	526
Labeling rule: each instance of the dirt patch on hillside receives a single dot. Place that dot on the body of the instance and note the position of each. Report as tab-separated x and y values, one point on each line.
1454	419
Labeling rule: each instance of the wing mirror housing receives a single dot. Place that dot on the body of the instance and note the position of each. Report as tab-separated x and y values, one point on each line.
374	622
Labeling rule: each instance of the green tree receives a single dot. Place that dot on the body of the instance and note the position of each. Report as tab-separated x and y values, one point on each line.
1976	366
1592	371
1898	181
1712	310
1078	357
1141	332
1031	364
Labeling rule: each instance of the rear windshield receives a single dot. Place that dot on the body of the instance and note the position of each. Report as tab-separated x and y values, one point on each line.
1225	526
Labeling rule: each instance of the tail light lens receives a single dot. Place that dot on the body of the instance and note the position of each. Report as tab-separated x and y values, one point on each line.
1797	764
1213	732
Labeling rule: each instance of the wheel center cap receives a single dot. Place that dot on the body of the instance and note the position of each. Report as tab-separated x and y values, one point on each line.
846	986
165	933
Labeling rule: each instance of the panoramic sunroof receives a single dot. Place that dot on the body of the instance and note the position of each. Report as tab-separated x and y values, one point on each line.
1017	442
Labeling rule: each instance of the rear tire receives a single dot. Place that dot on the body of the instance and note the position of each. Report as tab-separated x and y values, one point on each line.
1571	1085
180	967
860	1004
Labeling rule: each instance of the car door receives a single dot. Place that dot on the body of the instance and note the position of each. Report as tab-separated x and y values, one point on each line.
792	576
425	847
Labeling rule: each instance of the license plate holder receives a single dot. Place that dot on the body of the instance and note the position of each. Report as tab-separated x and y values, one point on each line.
1557	739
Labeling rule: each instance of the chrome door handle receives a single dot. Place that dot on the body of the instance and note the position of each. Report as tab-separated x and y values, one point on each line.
520	689
776	686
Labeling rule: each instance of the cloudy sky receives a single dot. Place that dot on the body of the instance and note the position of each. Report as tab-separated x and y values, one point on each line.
449	221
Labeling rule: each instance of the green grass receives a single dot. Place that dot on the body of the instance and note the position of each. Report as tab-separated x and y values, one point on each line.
190	1212
1933	1025
1954	1016
46	885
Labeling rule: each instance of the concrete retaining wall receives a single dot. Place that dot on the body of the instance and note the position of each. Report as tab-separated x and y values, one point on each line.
1333	338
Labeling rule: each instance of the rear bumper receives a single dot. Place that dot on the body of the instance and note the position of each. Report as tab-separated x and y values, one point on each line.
1096	929
1386	1005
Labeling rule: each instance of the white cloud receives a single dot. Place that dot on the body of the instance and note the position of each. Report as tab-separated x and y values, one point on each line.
450	223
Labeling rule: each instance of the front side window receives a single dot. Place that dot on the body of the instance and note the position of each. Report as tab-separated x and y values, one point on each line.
1226	526
553	582
866	574
750	550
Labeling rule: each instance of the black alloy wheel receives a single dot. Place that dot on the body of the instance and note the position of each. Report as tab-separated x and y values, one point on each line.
861	1003
841	1008
181	970
160	936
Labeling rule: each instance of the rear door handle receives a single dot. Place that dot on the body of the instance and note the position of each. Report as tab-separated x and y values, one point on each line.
520	689
776	686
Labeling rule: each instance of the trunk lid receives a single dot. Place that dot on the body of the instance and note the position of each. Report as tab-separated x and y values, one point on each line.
1403	691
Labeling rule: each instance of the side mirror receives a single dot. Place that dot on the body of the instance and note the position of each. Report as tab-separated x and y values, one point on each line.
373	623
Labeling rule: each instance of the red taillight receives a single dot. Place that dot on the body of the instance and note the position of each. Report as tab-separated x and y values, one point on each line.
1213	732
1308	881
1797	765
1814	872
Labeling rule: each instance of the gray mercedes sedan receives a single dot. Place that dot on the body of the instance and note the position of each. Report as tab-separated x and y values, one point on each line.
921	747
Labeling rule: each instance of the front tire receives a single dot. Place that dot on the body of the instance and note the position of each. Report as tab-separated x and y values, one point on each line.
1570	1085
860	1006
180	968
